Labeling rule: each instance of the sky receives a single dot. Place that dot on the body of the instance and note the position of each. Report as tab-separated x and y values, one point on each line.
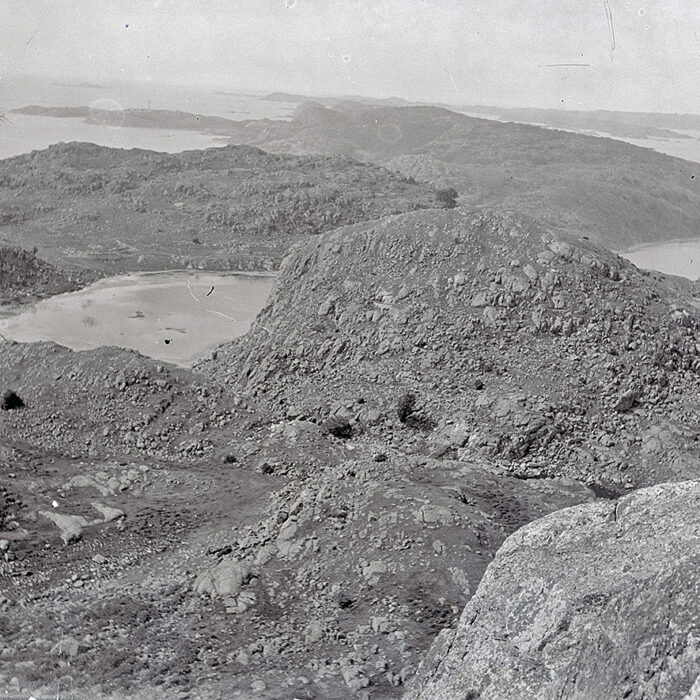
638	55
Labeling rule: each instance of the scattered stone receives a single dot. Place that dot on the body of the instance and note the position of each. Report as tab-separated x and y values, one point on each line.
71	526
354	677
628	400
68	647
108	513
82	481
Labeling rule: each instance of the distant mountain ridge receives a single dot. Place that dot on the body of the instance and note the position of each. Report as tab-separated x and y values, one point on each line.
617	194
658	124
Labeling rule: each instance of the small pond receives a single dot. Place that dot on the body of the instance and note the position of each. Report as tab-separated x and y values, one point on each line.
178	317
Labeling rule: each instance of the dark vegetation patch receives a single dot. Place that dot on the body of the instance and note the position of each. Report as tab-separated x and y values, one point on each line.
339	427
11	400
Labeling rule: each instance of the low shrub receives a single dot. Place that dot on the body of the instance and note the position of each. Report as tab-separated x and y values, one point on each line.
339	427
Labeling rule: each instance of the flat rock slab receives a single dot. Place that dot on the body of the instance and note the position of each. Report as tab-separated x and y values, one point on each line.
71	526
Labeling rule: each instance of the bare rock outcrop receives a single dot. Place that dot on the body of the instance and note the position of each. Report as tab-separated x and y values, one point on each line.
599	600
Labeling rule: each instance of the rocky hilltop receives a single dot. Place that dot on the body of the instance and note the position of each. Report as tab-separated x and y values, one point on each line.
234	207
538	354
594	601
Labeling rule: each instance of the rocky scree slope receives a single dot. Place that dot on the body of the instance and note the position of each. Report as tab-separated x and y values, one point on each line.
533	353
186	538
24	277
110	402
595	601
358	562
233	207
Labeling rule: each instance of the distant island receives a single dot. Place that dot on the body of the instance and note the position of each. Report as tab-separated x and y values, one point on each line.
139	118
284	97
332	101
84	84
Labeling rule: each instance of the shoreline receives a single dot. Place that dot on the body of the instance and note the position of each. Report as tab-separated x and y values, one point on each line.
15	307
646	246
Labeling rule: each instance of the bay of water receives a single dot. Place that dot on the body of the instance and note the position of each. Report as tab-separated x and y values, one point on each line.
177	317
688	149
21	133
677	258
24	133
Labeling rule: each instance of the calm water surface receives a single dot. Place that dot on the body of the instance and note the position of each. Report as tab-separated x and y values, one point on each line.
21	133
178	317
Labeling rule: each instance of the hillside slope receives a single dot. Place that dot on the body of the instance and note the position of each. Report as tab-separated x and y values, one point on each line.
539	354
24	277
616	193
221	208
187	538
269	523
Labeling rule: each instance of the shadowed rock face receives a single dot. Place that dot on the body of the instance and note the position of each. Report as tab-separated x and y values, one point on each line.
599	600
25	277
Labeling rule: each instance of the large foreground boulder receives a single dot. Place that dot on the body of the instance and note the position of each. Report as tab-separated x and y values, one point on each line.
600	600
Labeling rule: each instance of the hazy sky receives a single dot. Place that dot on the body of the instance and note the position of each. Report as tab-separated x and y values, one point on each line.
638	55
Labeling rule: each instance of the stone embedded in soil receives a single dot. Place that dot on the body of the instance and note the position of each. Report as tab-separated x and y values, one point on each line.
70	526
